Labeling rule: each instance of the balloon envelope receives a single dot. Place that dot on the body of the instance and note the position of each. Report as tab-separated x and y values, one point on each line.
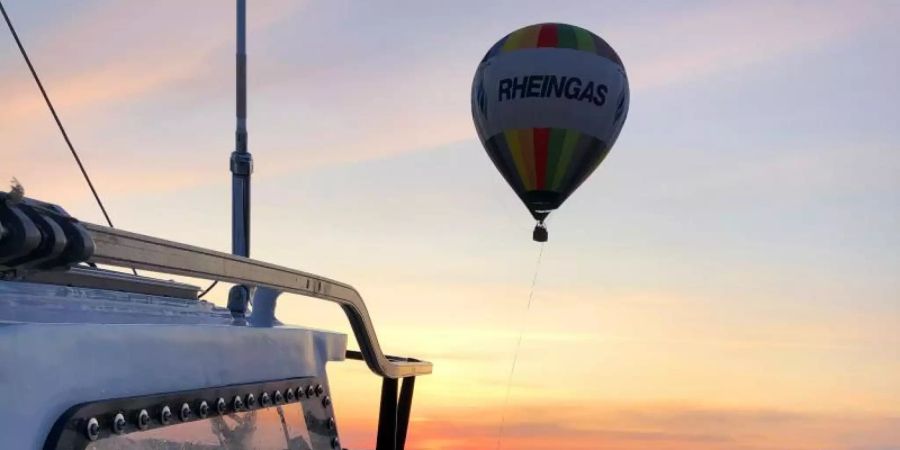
548	102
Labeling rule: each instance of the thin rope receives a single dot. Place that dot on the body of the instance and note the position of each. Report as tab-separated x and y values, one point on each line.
512	369
206	291
56	117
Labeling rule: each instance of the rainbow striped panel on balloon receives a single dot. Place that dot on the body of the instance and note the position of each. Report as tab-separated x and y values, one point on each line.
549	101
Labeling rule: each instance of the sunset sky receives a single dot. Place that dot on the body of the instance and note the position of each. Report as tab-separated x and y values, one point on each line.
729	278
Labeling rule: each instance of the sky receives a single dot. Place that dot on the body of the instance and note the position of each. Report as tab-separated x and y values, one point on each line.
727	279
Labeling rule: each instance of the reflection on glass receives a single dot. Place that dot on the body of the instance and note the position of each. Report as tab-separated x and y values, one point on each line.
278	428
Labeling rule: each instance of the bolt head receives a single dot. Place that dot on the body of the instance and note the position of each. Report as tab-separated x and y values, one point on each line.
92	429
203	410
119	423
185	413
143	420
165	416
221	406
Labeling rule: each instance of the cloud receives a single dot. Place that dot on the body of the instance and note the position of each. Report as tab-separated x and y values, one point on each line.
100	66
138	63
109	68
699	43
160	80
654	426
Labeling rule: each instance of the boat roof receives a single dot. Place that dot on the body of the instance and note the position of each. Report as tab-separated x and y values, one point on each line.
64	346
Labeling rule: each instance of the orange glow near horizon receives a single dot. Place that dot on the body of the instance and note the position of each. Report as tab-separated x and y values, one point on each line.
572	423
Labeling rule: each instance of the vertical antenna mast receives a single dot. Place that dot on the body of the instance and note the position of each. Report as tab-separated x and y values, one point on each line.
241	168
241	160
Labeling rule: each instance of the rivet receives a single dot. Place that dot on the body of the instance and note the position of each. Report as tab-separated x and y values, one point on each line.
165	416
310	391
279	398
251	401
93	429
266	400
319	390
330	424
221	406
290	396
185	413
143	420
335	443
119	423
326	401
203	409
238	404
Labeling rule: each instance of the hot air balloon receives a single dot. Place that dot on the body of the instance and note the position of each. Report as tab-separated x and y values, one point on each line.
548	102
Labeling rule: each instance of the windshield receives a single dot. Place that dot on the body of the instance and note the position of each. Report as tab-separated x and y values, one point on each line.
278	428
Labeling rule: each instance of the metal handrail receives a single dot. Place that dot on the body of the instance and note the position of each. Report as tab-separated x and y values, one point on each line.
121	248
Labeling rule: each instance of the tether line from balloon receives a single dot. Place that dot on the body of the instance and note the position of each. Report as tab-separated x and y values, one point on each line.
512	369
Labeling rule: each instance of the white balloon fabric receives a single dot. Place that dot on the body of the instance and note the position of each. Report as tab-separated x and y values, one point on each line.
549	101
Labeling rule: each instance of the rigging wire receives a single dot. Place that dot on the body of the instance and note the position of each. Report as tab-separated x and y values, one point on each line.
512	369
206	291
59	124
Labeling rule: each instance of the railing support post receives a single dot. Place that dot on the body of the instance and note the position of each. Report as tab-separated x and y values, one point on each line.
387	416
403	410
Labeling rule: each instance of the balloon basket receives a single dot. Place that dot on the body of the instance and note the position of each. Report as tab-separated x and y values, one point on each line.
540	233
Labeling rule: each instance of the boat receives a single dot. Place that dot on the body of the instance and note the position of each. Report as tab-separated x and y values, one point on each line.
97	357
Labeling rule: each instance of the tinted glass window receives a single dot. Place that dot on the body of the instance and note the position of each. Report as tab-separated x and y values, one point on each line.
277	428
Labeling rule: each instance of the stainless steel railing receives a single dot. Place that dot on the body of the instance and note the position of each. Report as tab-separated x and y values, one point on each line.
37	236
125	249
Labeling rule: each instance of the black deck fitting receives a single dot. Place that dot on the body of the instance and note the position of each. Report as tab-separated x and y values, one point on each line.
393	416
